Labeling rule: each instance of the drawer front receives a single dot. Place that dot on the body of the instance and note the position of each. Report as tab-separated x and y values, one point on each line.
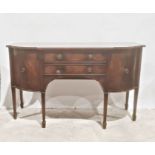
74	69
74	57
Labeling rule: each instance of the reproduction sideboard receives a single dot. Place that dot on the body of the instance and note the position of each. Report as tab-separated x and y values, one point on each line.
116	66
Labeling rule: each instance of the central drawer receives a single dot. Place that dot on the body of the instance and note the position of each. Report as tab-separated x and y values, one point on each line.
74	69
74	57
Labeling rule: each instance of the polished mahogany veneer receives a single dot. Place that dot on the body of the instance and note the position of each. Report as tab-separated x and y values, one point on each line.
116	66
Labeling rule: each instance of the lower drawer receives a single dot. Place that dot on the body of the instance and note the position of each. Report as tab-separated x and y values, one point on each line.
74	69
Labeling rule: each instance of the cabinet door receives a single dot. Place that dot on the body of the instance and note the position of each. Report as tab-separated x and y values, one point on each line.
30	70
121	71
26	66
15	62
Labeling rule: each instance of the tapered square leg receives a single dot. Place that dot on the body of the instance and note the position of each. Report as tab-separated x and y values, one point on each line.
135	104
105	110
14	101
21	99
43	109
127	99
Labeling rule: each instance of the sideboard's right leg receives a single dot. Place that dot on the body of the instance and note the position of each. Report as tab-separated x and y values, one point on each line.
14	101
127	99
105	110
135	104
43	109
21	99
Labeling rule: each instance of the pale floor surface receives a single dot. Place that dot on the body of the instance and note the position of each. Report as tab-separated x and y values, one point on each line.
84	125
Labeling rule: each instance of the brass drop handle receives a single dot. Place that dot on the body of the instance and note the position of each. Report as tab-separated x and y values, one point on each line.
58	71
59	56
126	70
90	56
22	70
89	69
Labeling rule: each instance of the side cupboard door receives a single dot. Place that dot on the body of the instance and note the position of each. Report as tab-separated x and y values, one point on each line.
122	71
30	70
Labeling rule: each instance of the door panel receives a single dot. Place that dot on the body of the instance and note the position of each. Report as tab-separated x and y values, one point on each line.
30	70
15	57
26	70
121	70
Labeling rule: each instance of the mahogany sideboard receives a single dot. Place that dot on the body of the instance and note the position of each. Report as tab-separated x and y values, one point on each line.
116	66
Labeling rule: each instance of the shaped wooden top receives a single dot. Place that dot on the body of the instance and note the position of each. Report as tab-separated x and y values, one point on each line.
75	45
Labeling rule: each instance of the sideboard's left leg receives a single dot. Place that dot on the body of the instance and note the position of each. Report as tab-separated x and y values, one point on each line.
43	109
135	103
21	99
127	99
105	110
14	101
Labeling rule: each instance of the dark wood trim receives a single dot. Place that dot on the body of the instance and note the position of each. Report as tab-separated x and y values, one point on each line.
76	63
75	75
